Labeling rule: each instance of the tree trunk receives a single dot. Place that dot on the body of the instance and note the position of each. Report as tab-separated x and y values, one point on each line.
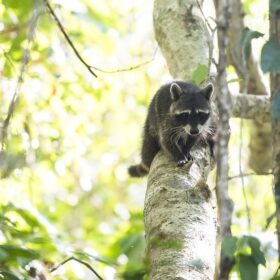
182	36
251	81
179	217
180	220
275	97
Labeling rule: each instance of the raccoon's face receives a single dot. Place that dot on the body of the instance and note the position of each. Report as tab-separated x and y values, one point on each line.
191	108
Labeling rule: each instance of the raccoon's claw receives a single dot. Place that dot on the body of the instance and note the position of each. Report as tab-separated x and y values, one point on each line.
189	157
181	162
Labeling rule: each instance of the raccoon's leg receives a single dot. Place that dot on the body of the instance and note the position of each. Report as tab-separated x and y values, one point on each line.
150	147
174	148
187	146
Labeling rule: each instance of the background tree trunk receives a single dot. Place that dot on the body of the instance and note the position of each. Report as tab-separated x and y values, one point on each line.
275	97
251	82
224	104
179	218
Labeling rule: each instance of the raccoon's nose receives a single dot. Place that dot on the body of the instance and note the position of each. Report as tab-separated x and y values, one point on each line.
194	131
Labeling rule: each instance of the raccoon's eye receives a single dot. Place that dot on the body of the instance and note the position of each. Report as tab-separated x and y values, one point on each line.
182	116
203	117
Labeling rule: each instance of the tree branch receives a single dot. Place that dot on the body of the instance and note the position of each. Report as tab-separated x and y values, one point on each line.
249	174
126	69
249	106
79	261
179	218
88	66
69	41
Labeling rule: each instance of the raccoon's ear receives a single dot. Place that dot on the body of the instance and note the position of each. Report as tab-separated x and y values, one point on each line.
175	91
207	91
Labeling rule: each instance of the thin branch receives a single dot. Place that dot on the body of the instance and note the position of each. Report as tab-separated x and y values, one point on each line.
90	67
25	59
210	42
248	213
79	261
7	56
206	20
69	41
224	103
130	68
249	174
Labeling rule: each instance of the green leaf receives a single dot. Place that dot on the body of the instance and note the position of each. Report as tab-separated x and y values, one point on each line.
274	5
3	254
270	56
134	275
229	246
132	243
247	267
23	7
11	4
247	36
243	247
200	74
8	275
257	254
12	252
275	278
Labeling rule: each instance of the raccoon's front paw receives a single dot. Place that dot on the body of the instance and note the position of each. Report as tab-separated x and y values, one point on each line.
189	157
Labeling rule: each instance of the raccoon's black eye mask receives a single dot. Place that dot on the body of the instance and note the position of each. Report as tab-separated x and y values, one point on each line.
202	116
182	117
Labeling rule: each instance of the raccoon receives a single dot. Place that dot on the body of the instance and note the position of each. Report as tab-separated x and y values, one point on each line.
179	116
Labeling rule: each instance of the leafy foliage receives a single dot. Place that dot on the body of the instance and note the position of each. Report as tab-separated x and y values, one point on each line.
247	254
64	188
200	74
247	36
274	5
270	57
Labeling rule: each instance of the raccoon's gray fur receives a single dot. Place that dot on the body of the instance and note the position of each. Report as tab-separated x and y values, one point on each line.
179	115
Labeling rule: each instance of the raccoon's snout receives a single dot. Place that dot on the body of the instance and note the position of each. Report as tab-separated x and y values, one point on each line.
194	131
191	130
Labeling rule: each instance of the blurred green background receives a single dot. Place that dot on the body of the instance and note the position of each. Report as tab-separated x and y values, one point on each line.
64	188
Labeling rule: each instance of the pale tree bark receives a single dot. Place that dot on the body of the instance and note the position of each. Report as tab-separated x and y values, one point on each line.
182	35
251	81
179	219
252	107
275	96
